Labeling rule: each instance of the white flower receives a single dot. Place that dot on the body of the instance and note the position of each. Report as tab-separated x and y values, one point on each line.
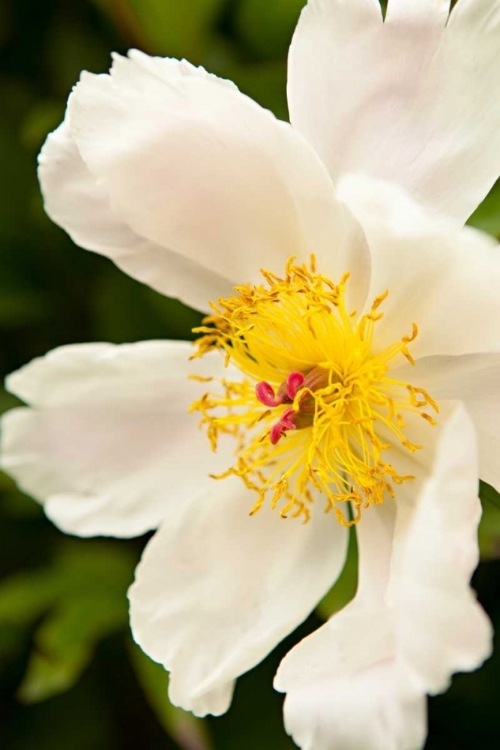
190	187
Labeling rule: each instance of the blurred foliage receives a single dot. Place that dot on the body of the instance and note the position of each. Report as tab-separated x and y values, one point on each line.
72	603
489	528
266	26
69	675
191	733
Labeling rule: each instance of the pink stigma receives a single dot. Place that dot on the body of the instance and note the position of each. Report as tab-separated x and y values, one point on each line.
288	390
285	423
266	395
293	383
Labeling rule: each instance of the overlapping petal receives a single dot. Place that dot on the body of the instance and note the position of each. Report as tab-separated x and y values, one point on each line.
413	100
80	204
177	176
442	278
381	657
435	553
342	682
216	590
107	443
339	708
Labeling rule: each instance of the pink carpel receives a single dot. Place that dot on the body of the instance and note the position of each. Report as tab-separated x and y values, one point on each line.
293	383
288	390
285	423
266	395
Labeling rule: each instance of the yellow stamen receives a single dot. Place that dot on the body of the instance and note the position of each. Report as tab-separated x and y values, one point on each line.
328	387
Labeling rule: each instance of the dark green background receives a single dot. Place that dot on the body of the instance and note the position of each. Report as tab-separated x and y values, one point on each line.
70	678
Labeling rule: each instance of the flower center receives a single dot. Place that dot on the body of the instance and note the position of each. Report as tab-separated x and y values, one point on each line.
314	408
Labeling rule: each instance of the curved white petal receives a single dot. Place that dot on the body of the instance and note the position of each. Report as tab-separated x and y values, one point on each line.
80	204
364	709
108	444
414	100
473	379
342	681
75	200
435	554
216	589
197	167
147	74
446	280
360	680
375	535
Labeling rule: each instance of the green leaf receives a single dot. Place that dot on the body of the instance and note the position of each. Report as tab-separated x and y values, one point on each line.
79	599
344	589
65	642
176	27
11	641
189	732
26	596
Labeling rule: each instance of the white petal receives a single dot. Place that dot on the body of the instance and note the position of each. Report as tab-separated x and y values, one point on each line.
216	589
341	681
343	688
200	169
473	379
107	444
445	280
424	12
360	680
363	710
80	204
215	702
441	629
414	100
374	535
143	73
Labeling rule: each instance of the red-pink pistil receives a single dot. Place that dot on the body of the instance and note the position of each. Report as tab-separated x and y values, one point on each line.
286	394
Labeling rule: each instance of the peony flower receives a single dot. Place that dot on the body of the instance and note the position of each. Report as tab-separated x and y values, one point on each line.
346	373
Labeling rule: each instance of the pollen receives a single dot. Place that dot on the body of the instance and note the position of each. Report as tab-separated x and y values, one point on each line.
311	406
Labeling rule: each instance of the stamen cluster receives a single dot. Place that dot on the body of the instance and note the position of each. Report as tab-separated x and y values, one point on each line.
315	408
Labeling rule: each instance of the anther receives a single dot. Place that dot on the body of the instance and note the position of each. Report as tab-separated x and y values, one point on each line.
334	405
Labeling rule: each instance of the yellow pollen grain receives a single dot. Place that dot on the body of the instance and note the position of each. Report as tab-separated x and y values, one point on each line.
301	324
